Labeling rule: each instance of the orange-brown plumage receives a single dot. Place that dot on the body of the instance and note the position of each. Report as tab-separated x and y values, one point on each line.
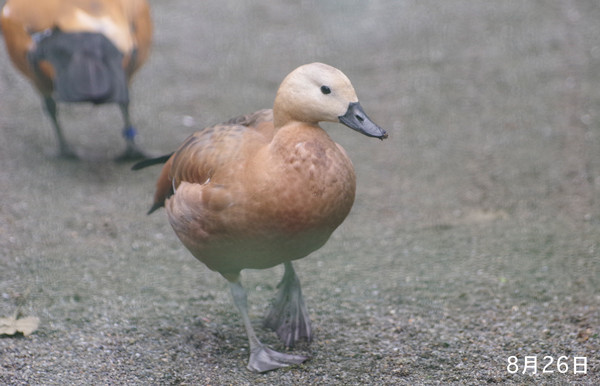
249	202
35	32
267	188
125	22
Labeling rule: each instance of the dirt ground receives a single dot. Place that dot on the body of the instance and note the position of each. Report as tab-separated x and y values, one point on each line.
474	238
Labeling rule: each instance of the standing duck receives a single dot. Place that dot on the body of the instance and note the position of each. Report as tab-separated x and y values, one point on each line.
79	51
265	189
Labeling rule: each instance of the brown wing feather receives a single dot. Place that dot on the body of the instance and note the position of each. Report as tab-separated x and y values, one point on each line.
252	120
208	151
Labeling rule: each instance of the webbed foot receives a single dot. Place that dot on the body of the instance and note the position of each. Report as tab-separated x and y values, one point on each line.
131	153
67	153
263	359
288	316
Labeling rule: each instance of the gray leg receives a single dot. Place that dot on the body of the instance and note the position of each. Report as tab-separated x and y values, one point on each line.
287	315
63	147
262	358
132	151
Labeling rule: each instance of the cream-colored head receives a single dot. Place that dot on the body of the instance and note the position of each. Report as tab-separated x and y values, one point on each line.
303	95
318	92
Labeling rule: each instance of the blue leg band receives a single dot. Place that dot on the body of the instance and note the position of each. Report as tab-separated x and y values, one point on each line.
129	132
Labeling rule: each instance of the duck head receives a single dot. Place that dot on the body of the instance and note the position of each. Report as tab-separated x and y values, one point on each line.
318	92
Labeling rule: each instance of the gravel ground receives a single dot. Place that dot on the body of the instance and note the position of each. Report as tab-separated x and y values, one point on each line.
475	235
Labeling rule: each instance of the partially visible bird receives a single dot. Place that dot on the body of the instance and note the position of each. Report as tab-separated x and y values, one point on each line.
80	51
264	189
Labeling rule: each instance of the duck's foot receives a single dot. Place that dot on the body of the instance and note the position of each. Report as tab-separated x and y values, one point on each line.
264	359
131	153
66	152
288	316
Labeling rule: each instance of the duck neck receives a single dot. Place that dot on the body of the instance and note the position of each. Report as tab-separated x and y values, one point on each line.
288	136
280	118
286	110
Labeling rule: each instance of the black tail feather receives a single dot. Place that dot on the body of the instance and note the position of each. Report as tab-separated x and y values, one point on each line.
154	207
151	161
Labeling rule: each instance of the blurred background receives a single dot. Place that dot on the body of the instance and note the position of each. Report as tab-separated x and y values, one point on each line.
475	234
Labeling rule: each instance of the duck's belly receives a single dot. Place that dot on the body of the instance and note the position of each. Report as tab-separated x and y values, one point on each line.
229	230
231	255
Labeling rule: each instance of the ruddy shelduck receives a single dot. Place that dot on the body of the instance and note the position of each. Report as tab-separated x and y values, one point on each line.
264	189
79	51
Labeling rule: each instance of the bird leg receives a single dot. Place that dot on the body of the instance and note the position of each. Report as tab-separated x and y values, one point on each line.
288	316
132	151
262	358
63	147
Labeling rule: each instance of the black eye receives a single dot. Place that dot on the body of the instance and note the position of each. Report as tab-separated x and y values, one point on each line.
325	90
